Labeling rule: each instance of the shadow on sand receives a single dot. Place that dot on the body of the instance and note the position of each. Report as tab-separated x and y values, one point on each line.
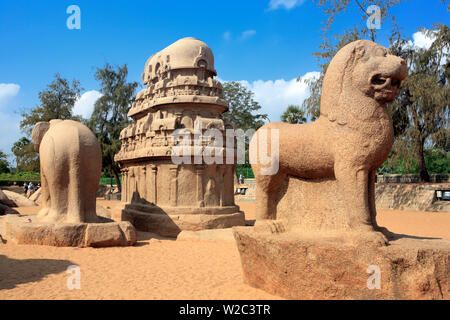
15	272
152	218
143	238
398	236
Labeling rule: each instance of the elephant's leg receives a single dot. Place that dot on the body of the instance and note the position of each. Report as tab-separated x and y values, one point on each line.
58	188
353	184
54	182
45	196
84	178
81	197
88	194
75	200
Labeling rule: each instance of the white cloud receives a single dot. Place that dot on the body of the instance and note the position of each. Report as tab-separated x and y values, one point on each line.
9	122
247	34
9	132
7	91
287	4
227	35
275	96
85	105
421	40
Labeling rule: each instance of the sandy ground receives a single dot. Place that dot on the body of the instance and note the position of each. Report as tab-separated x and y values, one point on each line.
417	223
158	268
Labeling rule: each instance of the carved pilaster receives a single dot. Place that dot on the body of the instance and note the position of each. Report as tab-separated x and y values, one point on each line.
124	184
229	183
220	185
154	183
199	171
143	184
131	185
173	185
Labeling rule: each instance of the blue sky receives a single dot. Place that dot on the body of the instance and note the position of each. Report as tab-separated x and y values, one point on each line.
265	44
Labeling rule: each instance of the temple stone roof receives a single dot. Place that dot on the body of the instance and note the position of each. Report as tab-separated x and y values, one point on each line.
182	54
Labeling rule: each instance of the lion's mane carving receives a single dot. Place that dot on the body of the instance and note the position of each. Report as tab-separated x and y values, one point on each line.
351	139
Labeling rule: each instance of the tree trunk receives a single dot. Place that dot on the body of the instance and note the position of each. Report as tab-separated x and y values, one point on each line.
423	172
117	178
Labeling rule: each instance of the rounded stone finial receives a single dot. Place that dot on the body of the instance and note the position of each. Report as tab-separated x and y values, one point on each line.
186	53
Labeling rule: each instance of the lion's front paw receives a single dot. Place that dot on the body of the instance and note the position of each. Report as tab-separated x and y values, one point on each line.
389	235
272	226
373	237
43	212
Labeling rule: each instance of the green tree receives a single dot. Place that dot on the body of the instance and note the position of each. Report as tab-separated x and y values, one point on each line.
242	113
293	114
438	161
415	123
26	158
57	102
4	165
423	102
110	113
242	107
332	43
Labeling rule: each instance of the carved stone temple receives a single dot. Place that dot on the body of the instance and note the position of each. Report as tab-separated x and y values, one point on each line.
161	196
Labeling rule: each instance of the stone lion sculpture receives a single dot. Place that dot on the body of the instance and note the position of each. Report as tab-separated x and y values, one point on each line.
351	139
71	162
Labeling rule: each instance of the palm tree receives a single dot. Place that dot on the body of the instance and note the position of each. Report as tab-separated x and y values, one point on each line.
293	114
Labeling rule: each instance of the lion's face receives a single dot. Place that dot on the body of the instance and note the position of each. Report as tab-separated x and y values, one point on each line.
378	73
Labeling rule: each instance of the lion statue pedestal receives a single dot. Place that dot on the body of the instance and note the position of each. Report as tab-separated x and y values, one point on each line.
333	267
71	161
316	234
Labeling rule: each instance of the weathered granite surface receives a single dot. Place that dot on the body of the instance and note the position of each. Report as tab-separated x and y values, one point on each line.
335	267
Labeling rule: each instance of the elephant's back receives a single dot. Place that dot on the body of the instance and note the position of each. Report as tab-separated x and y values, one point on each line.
73	136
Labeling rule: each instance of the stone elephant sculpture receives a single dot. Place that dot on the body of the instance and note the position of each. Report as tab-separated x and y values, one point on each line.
71	162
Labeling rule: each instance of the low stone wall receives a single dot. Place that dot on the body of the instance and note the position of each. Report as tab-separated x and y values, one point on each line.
411	178
398	196
250	184
421	197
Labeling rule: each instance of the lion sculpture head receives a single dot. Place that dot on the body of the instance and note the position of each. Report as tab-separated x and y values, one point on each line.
362	76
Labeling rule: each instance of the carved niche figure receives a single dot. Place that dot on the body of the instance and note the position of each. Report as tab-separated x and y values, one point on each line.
351	139
211	193
71	163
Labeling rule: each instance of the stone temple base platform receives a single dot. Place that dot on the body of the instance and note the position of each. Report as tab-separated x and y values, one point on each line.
171	221
29	230
302	267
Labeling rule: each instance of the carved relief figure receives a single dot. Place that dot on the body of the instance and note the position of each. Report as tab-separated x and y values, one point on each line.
211	192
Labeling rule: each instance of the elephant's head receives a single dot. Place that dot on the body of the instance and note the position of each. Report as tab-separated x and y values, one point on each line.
38	133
